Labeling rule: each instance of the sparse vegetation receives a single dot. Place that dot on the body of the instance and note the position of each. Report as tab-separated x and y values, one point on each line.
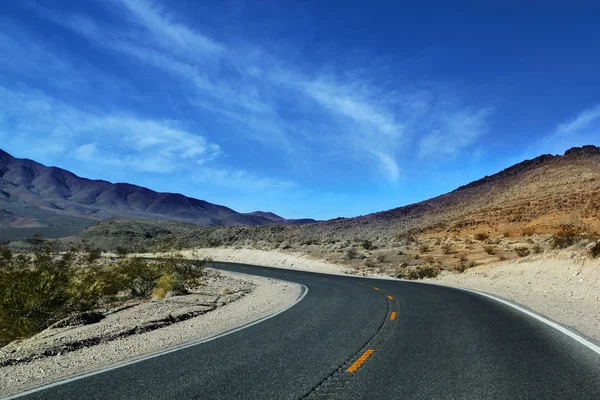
447	248
367	244
565	237
41	288
481	236
522	251
489	249
380	258
351	253
424	248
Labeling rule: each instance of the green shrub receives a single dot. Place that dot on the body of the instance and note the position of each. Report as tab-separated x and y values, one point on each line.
351	253
367	244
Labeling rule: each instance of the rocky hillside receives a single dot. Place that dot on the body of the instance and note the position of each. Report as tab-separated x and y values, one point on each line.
36	196
535	196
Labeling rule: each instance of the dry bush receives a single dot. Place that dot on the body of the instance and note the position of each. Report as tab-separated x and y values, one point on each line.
522	251
351	253
367	244
447	248
424	248
481	236
163	286
489	249
380	258
566	237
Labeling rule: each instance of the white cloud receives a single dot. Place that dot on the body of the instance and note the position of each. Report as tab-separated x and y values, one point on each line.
139	143
86	152
454	132
240	180
582	121
280	106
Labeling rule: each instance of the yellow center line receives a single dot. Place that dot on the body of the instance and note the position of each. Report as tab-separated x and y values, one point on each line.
376	288
358	283
265	270
393	316
390	297
361	360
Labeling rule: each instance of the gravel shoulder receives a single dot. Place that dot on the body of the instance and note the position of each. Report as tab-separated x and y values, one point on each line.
142	329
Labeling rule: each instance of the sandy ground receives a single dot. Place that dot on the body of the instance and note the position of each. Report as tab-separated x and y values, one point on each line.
563	286
268	296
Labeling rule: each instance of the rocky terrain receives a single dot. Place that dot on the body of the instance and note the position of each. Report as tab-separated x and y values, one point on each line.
57	202
533	207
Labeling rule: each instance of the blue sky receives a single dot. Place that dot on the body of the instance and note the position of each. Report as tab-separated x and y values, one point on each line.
307	109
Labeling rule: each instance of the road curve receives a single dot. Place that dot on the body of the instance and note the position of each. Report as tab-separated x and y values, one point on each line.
353	338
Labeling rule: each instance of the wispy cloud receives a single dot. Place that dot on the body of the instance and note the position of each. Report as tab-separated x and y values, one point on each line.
580	123
167	31
142	144
241	180
348	114
454	132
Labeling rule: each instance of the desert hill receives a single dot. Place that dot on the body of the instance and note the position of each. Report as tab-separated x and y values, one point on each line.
36	197
535	196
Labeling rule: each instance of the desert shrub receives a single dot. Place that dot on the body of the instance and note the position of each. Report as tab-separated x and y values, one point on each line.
502	257
351	253
380	258
139	276
462	257
481	236
188	274
367	244
399	252
489	250
565	237
522	251
447	248
506	234
593	249
34	292
163	286
370	264
427	271
93	254
424	248
122	251
227	290
536	249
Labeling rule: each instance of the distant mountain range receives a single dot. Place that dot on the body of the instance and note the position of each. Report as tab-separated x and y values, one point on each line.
35	196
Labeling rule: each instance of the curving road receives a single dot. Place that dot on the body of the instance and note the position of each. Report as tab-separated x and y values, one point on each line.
353	338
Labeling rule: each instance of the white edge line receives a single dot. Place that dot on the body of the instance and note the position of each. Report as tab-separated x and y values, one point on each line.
162	353
546	321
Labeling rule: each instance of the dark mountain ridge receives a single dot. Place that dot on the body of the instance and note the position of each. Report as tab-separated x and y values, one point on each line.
33	195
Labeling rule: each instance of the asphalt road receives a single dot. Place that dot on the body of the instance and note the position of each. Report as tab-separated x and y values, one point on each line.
353	338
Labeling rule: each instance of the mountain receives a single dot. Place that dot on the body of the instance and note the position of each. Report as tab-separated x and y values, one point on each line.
539	195
35	196
535	196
